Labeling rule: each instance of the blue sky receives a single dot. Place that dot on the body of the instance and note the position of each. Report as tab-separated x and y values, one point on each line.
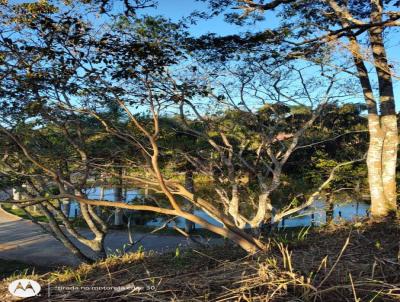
177	9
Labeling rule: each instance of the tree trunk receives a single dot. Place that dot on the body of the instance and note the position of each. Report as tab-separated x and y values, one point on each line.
16	196
118	213
389	160
189	185
234	206
383	131
382	126
118	196
374	164
330	210
381	162
264	212
101	197
60	236
66	207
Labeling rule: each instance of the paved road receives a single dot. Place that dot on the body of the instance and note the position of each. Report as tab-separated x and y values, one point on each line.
24	241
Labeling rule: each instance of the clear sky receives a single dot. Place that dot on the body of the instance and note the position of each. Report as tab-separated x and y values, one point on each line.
177	9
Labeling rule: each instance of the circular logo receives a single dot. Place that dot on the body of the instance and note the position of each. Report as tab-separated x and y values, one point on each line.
24	288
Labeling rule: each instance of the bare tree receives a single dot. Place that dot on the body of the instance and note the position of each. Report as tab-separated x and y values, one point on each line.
309	26
257	133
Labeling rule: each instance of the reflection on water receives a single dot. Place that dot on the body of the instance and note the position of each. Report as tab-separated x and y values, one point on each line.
320	213
109	193
317	214
104	193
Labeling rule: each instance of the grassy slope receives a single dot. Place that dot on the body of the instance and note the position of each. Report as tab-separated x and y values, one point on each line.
341	263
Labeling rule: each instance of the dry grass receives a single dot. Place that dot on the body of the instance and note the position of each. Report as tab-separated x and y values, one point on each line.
342	263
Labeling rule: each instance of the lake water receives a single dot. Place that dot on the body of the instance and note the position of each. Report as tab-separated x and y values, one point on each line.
317	214
320	213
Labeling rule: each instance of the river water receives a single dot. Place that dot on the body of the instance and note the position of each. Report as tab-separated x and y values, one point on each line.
317	214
